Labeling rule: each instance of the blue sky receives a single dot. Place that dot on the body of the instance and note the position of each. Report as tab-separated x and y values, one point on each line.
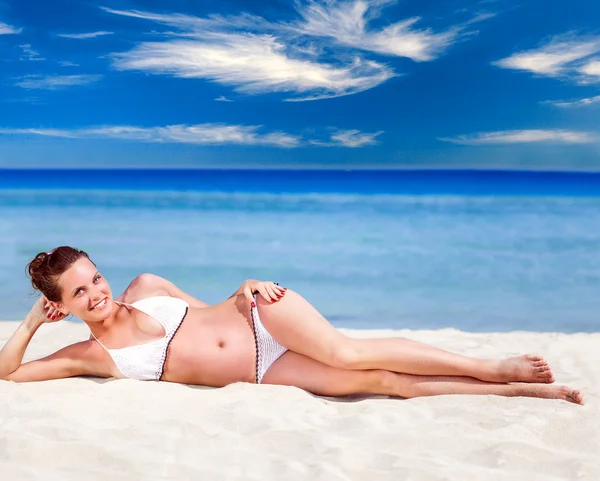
353	84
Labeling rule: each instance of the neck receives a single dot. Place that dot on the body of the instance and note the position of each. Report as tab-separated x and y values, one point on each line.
99	328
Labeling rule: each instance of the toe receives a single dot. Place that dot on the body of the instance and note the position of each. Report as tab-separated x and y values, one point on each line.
577	396
534	357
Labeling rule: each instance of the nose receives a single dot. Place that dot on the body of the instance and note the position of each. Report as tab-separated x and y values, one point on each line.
96	297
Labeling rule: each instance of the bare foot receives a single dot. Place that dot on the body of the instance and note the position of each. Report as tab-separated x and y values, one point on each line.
525	368
549	392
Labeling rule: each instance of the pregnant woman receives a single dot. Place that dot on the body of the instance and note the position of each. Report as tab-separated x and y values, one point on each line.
263	333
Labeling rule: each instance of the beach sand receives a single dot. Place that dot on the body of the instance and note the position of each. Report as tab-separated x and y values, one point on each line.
97	429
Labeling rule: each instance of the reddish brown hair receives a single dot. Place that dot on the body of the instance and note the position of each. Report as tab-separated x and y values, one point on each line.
46	267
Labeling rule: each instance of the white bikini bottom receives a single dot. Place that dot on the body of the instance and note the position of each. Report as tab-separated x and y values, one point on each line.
268	350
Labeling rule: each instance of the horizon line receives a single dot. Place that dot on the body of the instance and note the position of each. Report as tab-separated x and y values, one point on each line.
335	169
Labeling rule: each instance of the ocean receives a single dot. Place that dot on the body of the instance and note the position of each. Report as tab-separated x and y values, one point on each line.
473	250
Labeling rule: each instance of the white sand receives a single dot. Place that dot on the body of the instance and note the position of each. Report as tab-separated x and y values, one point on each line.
91	429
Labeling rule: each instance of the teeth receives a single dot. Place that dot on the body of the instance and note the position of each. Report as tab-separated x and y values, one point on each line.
99	305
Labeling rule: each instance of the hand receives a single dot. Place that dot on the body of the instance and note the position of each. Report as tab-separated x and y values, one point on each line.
269	290
43	312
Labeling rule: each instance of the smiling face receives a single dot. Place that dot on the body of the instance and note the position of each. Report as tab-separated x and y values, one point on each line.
84	291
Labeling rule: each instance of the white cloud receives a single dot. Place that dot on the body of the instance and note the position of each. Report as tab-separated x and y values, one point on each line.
202	134
574	103
591	69
55	82
222	98
560	56
256	56
6	29
84	35
349	138
191	23
29	53
252	64
67	63
481	16
347	22
524	136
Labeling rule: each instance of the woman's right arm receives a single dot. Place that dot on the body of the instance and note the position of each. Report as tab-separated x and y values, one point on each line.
12	353
76	359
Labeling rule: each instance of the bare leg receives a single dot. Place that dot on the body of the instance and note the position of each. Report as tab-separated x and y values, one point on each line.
293	369
297	325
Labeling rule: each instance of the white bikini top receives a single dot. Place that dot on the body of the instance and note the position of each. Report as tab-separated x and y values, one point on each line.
146	362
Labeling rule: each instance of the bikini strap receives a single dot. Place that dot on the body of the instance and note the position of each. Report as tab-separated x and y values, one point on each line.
98	341
124	303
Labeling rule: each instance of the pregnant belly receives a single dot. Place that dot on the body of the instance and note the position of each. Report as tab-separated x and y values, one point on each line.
214	346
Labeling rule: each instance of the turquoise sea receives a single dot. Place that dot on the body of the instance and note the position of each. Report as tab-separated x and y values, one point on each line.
422	250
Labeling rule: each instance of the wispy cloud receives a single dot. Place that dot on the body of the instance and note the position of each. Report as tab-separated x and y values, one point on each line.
255	56
222	98
83	36
349	138
6	29
347	22
481	17
561	56
591	69
23	100
29	53
524	136
190	23
252	64
55	82
202	134
67	63
574	103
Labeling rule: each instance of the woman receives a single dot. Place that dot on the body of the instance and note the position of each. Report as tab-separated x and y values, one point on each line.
155	331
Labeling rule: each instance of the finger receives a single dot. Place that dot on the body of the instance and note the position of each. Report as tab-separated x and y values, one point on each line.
248	295
263	292
279	290
272	294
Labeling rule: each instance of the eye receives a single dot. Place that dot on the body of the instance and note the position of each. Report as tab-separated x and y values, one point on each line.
98	277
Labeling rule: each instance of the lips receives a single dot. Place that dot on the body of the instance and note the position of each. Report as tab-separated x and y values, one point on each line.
103	303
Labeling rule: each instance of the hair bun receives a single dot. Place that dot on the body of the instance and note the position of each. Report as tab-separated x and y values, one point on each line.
36	269
46	267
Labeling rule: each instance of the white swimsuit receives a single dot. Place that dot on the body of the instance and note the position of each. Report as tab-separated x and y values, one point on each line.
146	362
268	350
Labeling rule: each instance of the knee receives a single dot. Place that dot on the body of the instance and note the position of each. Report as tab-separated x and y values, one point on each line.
345	355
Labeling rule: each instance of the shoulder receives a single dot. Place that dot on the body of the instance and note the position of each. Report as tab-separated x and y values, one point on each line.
147	280
145	285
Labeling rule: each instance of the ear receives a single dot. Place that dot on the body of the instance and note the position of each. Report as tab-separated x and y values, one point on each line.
60	307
